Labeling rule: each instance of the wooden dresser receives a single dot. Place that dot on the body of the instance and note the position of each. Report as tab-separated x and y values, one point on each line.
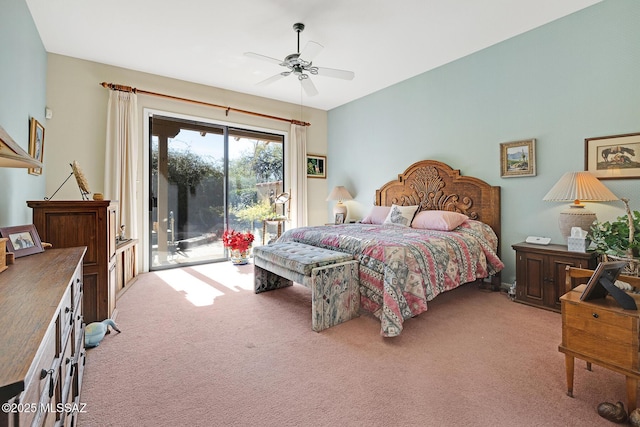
87	223
42	337
600	332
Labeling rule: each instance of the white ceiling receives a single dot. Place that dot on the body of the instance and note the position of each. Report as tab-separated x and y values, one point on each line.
204	41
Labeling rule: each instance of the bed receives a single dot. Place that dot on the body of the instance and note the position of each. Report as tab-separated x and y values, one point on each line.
403	268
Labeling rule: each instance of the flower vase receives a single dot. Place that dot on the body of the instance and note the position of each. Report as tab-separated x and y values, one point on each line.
239	257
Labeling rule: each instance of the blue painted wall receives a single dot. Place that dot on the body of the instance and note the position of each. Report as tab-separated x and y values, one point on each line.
574	78
23	74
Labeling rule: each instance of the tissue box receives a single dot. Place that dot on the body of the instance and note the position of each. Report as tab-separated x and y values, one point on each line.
578	244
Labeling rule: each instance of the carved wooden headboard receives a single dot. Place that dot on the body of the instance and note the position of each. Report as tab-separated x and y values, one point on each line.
434	185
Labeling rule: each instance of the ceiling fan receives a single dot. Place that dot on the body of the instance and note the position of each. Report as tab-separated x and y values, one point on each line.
300	64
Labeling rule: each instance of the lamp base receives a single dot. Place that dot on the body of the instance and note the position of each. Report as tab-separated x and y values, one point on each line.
575	216
340	208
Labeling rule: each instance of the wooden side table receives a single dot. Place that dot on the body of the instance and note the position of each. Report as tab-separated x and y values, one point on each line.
601	332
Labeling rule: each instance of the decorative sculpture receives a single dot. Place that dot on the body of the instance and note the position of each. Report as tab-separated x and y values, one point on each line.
95	332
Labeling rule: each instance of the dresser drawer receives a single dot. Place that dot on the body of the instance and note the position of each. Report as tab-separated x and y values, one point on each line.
78	321
76	285
601	333
41	380
65	320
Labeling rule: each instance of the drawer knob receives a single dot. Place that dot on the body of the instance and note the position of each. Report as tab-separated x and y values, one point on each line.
67	309
595	315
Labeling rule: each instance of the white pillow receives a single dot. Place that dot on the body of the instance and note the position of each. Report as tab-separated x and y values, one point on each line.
377	215
401	215
438	220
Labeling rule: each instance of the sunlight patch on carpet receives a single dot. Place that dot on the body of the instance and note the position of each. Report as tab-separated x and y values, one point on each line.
234	277
202	284
195	290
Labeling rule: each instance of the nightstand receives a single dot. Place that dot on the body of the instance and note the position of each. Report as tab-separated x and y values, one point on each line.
601	332
540	272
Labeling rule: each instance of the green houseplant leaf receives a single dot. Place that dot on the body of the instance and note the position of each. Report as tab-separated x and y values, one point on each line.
612	237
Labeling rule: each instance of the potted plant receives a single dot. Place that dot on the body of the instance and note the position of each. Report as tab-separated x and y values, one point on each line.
617	240
239	244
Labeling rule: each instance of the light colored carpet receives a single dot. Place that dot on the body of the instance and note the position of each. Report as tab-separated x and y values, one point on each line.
199	348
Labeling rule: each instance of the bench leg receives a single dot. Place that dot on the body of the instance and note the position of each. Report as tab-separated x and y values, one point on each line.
267	281
335	294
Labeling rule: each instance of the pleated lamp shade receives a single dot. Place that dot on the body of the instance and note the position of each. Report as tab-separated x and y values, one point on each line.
340	193
576	187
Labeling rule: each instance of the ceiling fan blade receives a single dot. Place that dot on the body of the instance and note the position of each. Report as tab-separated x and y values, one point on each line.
338	74
273	79
263	58
311	50
309	87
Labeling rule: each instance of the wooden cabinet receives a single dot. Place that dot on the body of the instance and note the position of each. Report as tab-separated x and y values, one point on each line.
42	336
87	223
126	264
601	332
540	272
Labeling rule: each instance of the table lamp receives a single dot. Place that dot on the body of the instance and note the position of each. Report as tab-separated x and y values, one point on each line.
340	193
576	187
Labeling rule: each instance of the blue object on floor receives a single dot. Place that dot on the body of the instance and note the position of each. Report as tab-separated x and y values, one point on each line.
95	332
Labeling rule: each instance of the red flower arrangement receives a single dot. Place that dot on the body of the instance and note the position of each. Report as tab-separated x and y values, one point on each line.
236	240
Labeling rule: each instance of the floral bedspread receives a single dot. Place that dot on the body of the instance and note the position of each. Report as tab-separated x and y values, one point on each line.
402	268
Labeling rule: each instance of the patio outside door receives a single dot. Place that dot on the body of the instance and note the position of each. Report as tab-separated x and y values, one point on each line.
204	179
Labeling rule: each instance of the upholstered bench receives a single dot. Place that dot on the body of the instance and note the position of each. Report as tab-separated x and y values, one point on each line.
332	277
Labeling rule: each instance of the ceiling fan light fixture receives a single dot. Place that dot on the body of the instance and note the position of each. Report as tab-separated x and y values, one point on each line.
299	66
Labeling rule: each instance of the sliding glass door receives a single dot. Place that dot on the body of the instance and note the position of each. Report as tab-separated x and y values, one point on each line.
205	178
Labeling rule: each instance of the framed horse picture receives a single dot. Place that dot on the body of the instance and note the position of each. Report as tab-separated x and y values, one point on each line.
613	157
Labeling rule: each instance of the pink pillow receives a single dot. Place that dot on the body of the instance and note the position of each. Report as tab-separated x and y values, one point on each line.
377	215
438	220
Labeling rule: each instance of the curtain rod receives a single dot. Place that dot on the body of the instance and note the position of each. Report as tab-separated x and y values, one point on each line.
123	88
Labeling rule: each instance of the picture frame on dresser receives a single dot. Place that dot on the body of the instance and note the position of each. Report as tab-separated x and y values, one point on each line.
23	240
613	157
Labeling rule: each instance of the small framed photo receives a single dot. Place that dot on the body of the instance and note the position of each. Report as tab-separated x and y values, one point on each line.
23	240
36	144
518	158
613	157
316	166
339	218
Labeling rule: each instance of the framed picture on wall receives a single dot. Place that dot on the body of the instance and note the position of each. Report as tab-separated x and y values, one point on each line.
613	157
23	240
36	144
316	166
518	158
